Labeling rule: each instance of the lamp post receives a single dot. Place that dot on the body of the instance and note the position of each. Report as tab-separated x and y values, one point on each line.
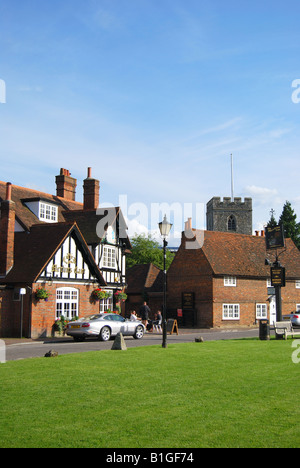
165	228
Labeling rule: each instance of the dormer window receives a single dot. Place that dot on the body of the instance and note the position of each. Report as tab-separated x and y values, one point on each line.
43	210
47	213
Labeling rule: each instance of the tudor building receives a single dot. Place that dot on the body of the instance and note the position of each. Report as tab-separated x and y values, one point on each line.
65	248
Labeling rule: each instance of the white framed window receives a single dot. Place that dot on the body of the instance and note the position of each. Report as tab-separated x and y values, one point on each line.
297	284
67	303
48	213
109	257
297	308
107	304
261	311
231	311
230	281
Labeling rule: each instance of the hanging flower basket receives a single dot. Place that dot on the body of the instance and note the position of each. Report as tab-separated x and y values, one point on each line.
42	293
99	294
120	296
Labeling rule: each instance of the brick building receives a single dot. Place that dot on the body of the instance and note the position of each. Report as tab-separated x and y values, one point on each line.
225	281
55	245
144	283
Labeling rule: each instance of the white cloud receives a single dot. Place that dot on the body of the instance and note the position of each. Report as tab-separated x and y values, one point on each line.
279	132
264	197
29	89
260	191
224	126
134	227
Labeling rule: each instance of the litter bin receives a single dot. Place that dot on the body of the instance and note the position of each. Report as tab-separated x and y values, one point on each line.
264	330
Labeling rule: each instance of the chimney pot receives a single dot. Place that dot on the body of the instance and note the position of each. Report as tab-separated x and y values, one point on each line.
8	191
7	233
188	224
66	185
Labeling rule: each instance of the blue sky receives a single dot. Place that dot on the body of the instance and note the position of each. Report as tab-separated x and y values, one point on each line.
154	95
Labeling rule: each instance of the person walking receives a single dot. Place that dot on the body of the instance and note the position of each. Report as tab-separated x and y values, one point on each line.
144	313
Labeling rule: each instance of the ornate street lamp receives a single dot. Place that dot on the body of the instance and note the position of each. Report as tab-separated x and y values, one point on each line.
165	228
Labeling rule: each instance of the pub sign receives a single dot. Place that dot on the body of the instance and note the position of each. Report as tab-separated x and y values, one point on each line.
188	301
278	276
275	237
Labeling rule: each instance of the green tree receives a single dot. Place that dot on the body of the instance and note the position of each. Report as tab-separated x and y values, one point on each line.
272	223
289	220
146	250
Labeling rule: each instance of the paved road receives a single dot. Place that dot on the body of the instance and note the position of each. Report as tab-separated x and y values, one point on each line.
29	349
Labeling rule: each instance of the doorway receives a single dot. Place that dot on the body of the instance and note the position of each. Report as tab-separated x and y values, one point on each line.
272	310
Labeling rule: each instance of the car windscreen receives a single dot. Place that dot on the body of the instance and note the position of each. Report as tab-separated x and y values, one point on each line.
90	318
114	317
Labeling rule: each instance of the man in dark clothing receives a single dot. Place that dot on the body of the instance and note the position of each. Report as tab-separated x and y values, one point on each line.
144	313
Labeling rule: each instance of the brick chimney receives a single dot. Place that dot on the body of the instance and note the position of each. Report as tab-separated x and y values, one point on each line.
66	185
7	233
188	225
91	189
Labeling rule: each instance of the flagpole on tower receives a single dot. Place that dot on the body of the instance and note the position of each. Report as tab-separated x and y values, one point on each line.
232	184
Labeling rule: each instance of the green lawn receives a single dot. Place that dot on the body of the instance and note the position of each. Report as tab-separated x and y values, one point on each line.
242	393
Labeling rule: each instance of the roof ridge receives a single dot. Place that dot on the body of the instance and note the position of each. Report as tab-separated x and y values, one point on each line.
41	193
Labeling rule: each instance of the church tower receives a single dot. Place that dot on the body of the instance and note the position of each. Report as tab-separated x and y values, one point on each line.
229	215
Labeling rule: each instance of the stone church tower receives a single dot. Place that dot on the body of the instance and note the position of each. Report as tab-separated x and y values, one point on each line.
229	215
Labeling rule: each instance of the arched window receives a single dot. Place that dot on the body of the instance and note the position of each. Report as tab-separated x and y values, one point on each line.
231	225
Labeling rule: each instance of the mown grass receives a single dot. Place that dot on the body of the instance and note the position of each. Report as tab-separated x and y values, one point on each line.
213	394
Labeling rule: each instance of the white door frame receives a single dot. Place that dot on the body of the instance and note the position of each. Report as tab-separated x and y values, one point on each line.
272	310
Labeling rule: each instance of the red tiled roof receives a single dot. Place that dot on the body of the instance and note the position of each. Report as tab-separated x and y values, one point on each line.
24	215
68	211
144	278
243	255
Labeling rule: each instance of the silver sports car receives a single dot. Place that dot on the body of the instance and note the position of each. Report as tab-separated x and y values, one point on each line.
103	326
294	318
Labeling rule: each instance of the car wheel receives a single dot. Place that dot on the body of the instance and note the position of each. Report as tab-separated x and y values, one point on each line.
104	334
139	332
